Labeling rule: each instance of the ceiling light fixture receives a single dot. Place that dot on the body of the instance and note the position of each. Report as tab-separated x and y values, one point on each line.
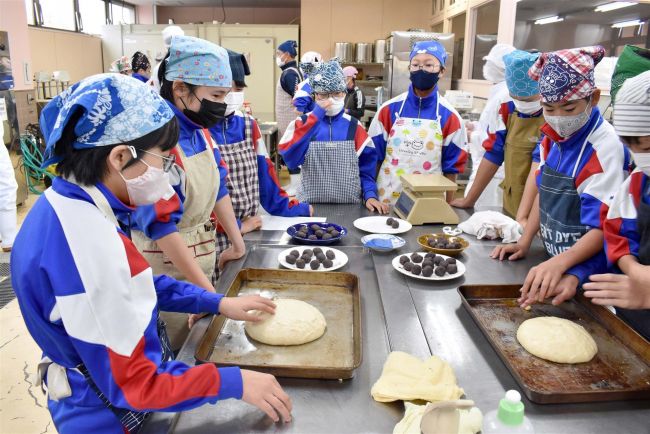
549	20
627	24
613	6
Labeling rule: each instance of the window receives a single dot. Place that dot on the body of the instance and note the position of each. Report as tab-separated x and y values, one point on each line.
93	15
458	29
29	9
58	14
577	24
485	35
121	12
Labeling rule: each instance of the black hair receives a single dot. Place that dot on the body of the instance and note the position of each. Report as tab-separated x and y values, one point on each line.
88	166
166	86
239	83
139	61
630	140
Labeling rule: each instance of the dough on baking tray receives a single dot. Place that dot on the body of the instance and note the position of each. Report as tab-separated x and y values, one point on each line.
556	339
294	323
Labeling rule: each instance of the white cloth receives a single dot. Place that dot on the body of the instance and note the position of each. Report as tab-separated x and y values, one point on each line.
8	191
493	194
492	225
470	421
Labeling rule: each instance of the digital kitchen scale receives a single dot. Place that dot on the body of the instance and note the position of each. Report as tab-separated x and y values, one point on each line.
423	200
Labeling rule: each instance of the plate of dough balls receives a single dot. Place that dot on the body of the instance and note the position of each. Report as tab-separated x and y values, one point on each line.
316	259
428	266
317	233
443	244
382	225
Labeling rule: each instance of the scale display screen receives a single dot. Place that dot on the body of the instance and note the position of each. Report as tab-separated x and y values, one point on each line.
404	204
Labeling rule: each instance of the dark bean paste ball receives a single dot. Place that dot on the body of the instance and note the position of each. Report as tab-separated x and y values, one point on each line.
314	264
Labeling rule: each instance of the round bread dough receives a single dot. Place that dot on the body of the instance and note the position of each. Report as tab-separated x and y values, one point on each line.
294	323
556	339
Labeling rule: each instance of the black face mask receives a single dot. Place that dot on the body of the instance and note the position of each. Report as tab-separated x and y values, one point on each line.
208	115
423	80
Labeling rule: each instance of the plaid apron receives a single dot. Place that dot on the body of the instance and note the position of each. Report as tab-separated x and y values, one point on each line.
330	173
243	182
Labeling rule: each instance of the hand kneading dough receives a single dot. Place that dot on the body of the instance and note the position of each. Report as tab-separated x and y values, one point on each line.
556	339
294	323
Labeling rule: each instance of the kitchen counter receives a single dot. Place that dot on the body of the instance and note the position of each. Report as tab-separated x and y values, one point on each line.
399	313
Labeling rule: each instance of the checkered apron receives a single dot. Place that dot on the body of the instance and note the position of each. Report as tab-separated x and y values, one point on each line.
243	182
330	173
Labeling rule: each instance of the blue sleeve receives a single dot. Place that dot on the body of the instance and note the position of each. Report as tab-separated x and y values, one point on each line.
303	103
178	296
273	198
367	164
536	151
289	80
223	174
497	153
597	264
295	142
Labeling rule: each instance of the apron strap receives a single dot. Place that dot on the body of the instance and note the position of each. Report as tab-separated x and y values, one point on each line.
248	129
352	128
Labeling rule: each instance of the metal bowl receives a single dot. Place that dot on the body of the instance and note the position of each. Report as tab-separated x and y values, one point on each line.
292	230
422	241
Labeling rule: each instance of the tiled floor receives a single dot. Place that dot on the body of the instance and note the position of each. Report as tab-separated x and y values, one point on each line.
23	407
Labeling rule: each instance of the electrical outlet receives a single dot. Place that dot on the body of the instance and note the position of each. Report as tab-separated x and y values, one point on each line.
27	71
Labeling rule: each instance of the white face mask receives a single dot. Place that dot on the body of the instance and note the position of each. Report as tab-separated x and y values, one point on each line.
642	161
527	107
566	126
235	101
278	61
336	107
149	187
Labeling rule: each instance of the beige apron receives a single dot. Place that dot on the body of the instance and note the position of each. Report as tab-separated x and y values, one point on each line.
521	139
201	187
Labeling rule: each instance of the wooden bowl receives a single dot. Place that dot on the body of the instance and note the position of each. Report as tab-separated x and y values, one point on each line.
422	241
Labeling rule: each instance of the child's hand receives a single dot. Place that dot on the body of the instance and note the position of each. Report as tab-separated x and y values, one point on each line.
238	308
513	251
251	224
621	290
542	280
374	205
563	291
461	203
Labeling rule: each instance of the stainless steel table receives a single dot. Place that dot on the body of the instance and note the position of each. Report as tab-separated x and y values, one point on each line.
406	315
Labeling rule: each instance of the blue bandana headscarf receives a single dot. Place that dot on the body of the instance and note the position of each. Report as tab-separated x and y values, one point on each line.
289	47
327	77
116	109
433	48
199	62
517	64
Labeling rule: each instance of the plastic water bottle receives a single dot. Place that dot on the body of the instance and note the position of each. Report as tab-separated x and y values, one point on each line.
509	418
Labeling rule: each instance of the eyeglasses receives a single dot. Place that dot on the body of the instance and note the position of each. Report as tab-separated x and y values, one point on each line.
427	68
168	161
324	96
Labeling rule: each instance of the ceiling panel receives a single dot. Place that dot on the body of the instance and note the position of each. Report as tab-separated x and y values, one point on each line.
227	3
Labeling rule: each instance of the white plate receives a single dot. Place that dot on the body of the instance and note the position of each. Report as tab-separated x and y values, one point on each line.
398	267
377	225
339	261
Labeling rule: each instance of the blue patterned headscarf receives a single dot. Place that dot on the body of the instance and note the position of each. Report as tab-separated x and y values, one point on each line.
199	62
433	48
517	65
327	77
289	47
116	109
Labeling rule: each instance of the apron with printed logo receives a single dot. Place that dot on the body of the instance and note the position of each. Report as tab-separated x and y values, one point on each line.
559	208
201	187
521	140
414	147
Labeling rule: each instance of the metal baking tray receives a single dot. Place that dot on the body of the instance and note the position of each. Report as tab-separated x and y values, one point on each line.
335	355
619	371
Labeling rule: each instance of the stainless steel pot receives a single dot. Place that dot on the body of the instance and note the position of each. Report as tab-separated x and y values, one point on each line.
380	51
364	52
344	51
